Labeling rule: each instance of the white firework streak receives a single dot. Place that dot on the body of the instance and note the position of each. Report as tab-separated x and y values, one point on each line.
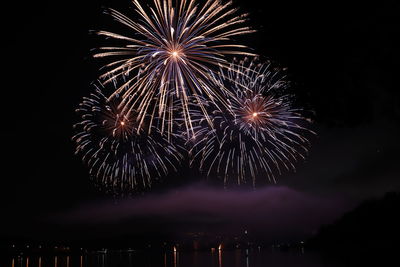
120	158
261	132
169	57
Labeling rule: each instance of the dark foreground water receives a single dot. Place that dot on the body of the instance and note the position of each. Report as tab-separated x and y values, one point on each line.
233	258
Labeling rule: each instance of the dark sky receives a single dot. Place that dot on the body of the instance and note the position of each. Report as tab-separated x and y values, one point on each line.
343	60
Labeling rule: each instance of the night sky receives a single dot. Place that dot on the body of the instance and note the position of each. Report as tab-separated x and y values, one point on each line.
343	61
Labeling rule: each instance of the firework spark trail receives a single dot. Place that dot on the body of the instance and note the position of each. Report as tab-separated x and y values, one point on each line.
120	158
169	58
261	132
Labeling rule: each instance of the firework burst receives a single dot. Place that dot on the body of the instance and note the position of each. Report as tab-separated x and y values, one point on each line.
260	133
120	157
168	57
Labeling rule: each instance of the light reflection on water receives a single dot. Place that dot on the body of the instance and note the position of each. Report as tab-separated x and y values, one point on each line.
219	258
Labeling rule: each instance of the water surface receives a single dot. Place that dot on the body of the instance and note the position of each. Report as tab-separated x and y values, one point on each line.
230	258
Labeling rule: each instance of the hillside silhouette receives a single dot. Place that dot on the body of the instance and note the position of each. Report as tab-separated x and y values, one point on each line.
372	227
